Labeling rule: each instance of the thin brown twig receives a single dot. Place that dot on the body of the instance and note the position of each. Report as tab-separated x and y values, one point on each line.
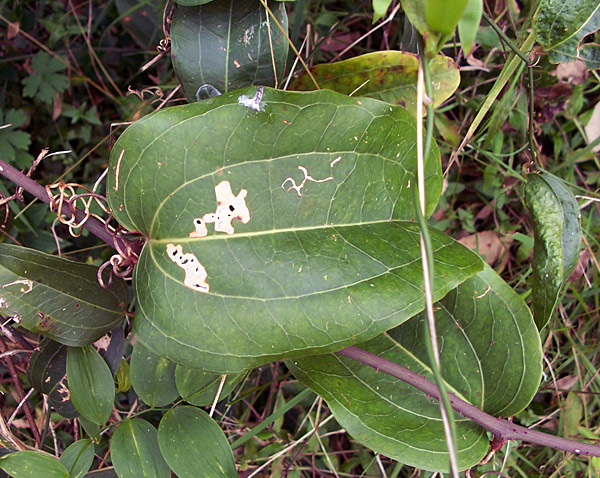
10	364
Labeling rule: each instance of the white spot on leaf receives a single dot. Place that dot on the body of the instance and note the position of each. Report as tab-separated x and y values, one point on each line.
26	282
229	207
195	274
307	177
255	103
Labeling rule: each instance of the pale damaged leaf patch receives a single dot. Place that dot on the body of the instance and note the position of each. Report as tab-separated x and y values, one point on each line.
307	177
229	207
195	273
255	102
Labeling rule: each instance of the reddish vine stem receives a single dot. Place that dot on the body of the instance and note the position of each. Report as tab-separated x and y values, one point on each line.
92	224
10	364
502	429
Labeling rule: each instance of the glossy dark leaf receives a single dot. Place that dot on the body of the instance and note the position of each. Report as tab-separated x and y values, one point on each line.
225	45
561	26
135	452
143	20
47	373
491	356
322	266
194	445
152	377
557	234
58	298
91	384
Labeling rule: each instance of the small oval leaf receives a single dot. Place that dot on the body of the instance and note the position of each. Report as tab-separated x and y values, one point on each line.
58	298
557	234
226	45
194	445
389	76
78	458
152	377
33	464
199	387
47	373
491	356
134	451
91	384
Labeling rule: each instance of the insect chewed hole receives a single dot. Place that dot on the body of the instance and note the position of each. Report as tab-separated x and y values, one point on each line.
195	274
229	207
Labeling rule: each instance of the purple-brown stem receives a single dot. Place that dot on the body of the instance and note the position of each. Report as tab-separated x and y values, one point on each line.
503	429
91	224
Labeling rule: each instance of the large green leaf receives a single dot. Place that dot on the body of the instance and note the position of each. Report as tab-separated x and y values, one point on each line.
47	373
91	384
58	298
318	268
225	45
153	377
560	27
33	464
557	234
386	75
134	451
491	356
194	445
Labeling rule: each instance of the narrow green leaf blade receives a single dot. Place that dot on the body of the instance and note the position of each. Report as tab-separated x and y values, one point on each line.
389	76
324	262
91	384
468	25
557	233
58	298
152	377
33	464
78	457
135	452
47	373
490	354
194	445
226	45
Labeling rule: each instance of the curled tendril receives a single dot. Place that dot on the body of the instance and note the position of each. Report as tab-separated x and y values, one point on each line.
4	204
65	195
